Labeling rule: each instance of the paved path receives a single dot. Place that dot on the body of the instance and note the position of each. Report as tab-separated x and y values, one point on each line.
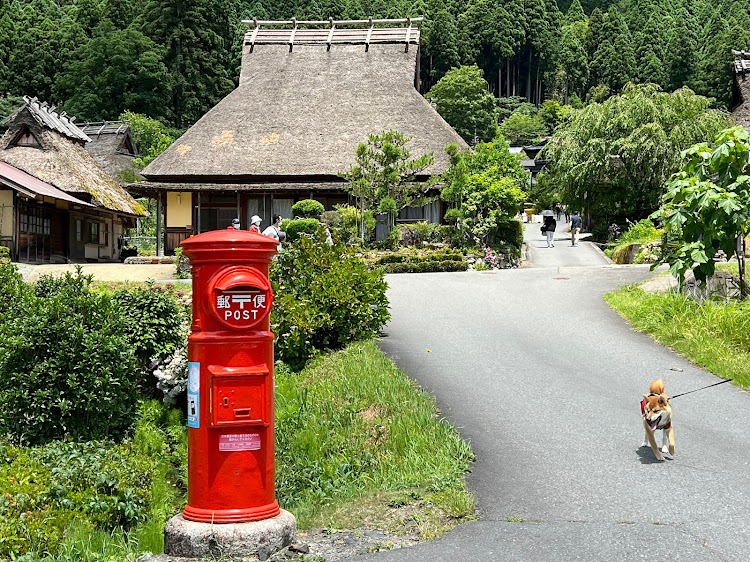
544	380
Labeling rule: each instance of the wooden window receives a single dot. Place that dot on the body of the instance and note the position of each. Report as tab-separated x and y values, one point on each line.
25	138
93	233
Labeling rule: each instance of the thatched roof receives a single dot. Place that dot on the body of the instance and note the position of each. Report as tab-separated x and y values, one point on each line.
63	162
47	117
300	115
113	147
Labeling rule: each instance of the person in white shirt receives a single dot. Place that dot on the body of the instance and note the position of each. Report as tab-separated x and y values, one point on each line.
274	231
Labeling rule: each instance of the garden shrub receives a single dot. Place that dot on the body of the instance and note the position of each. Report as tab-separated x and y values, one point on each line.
154	325
97	486
66	366
324	297
439	255
308	209
348	226
295	228
4	255
425	266
510	232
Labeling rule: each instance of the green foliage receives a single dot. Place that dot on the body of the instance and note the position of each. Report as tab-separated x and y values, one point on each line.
72	501
520	129
4	255
384	436
308	209
153	326
712	335
419	232
66	366
612	159
510	232
641	232
351	222
708	203
552	114
324	297
484	186
463	101
384	175
150	136
295	228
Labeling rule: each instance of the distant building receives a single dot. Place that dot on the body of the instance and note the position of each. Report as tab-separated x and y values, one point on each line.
741	89
56	203
112	146
305	100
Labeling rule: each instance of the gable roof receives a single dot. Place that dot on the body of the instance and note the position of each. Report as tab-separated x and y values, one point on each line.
46	116
112	146
63	162
301	113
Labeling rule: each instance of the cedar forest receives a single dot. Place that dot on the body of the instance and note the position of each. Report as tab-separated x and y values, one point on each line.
174	59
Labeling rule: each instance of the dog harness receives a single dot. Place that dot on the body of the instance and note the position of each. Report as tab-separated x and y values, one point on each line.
643	412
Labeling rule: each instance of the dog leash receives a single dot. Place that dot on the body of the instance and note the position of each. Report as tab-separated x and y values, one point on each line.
697	389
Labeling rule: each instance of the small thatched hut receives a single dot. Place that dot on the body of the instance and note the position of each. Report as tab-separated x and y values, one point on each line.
45	226
741	89
112	146
305	100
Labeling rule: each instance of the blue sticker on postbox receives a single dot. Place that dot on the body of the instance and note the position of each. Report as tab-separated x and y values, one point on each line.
193	394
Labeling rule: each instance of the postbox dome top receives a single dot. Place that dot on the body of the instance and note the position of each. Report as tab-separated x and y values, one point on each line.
229	245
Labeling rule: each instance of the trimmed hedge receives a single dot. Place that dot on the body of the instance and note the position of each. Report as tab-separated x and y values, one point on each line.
424	266
510	232
308	209
416	258
295	228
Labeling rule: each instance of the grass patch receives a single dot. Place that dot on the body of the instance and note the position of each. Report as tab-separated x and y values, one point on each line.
356	436
713	334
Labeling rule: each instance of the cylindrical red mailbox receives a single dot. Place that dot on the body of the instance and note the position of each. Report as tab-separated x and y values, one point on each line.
230	379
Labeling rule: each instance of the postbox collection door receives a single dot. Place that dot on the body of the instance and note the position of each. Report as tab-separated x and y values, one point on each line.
238	396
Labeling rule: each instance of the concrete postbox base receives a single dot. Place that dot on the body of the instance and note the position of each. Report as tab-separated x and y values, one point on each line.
259	539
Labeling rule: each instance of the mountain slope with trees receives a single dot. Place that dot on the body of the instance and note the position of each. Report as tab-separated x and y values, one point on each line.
174	59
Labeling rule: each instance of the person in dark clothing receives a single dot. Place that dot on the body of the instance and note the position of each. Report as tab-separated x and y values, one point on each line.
575	228
549	229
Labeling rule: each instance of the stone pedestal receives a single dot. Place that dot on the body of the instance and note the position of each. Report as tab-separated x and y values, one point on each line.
261	539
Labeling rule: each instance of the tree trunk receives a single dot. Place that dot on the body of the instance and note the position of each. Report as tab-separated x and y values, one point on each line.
500	80
507	75
538	88
528	78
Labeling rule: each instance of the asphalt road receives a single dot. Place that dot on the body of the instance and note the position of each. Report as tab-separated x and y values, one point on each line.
544	380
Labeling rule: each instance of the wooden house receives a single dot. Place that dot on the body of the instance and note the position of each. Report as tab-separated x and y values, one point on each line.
56	203
741	89
308	94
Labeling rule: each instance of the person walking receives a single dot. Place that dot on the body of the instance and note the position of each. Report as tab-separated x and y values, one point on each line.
549	229
575	228
274	231
558	210
255	224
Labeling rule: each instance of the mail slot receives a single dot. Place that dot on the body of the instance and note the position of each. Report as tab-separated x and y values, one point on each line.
230	379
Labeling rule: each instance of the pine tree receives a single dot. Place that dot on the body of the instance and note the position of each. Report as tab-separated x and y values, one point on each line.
439	43
575	13
680	57
8	36
197	57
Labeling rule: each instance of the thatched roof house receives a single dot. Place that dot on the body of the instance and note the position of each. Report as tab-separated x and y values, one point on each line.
112	146
305	100
741	112
50	147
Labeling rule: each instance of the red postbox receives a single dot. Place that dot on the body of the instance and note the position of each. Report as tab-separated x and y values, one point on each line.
230	380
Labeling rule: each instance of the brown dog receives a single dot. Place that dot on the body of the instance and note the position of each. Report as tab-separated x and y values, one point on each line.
657	414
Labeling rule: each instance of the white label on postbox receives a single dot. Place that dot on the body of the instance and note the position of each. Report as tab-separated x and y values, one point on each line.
241	305
239	442
193	394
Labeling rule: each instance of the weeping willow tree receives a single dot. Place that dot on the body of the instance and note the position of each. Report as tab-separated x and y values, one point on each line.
612	158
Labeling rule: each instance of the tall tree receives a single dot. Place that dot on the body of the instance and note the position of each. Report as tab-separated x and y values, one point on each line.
197	58
439	42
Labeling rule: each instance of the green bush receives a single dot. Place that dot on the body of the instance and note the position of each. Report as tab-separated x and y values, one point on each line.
439	255
308	209
153	326
66	366
324	297
75	500
295	228
4	254
510	232
348	227
425	266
